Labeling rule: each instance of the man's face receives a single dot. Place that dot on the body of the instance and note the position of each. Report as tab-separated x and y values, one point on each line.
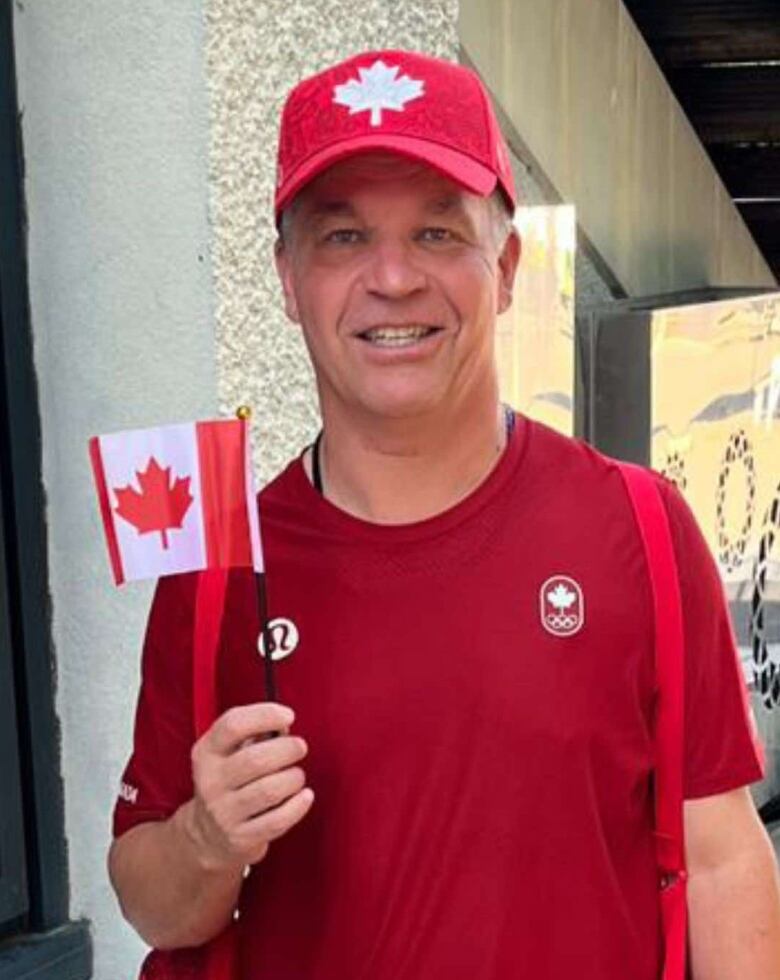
396	275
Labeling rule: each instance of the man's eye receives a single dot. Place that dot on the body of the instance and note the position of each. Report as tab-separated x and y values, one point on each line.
343	236
436	235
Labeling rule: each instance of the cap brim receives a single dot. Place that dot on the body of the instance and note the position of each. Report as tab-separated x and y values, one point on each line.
463	169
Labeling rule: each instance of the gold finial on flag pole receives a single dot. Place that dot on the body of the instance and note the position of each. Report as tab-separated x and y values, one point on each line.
244	412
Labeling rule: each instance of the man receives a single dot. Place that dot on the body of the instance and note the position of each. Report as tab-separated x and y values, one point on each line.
482	764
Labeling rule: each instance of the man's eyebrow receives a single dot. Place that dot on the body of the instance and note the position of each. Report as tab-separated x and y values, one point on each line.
451	203
321	209
325	208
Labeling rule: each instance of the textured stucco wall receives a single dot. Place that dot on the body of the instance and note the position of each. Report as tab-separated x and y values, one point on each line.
115	138
256	51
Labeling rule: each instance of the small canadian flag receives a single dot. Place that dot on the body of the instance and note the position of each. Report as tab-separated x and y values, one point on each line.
177	498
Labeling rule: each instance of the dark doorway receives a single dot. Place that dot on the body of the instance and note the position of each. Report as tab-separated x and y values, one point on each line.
36	937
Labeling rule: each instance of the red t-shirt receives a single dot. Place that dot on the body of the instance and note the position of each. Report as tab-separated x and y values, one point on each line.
480	742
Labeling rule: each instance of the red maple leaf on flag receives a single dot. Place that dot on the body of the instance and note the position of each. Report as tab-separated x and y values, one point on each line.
159	506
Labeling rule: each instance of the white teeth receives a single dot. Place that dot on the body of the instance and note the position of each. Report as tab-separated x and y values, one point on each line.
396	336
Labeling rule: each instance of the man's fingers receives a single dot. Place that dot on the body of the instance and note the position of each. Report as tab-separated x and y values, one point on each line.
260	759
247	721
264	794
272	824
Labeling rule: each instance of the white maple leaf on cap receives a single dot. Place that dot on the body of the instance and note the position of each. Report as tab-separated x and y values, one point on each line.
378	89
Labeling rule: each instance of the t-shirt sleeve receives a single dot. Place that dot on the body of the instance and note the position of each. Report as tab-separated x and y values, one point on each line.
722	748
158	776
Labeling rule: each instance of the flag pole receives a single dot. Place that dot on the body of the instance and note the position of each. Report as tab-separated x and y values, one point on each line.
244	412
268	660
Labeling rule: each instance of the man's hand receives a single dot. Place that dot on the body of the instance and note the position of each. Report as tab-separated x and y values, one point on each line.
248	788
178	880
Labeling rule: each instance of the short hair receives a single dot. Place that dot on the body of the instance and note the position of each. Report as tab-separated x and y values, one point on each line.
284	226
502	215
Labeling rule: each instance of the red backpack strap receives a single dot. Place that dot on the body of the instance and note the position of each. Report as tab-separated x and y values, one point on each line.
219	954
655	532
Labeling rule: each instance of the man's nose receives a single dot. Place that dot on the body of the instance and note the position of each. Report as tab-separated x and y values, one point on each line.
393	270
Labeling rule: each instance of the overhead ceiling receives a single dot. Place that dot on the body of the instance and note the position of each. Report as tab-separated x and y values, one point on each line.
722	61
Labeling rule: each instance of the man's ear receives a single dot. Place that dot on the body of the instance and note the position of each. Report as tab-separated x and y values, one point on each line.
283	262
508	261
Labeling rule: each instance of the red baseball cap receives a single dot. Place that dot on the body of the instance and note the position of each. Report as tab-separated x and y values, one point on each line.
421	107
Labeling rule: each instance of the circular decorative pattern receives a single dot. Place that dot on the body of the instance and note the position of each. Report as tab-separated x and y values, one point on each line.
739	453
674	470
766	669
562	621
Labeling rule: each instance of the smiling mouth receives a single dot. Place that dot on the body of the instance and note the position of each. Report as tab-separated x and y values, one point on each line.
397	336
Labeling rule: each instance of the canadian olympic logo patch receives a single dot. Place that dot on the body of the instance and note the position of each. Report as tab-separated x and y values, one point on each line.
561	606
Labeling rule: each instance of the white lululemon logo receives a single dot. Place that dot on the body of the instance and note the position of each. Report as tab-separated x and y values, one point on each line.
561	606
284	639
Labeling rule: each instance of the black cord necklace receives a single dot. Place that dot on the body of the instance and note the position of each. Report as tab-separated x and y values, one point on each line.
316	470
